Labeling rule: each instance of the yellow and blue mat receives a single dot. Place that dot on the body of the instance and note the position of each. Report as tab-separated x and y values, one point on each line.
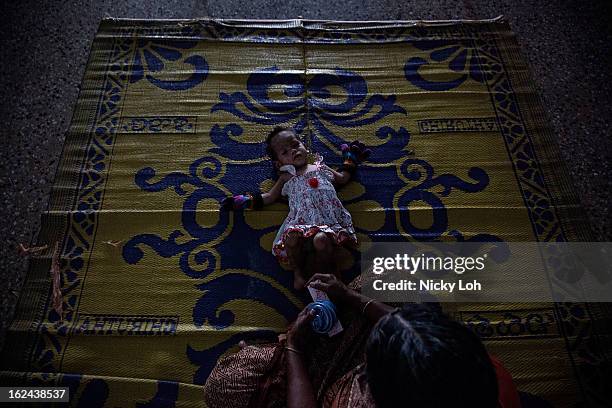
157	284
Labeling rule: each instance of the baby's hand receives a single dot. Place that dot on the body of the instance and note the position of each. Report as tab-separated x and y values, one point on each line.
237	202
284	177
353	155
356	152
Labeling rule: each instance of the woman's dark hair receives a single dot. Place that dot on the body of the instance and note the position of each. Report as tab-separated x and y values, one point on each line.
419	357
269	138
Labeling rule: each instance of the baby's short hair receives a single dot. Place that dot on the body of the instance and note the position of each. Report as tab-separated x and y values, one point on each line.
269	138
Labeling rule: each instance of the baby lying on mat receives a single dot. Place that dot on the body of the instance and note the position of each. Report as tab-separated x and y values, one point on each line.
316	216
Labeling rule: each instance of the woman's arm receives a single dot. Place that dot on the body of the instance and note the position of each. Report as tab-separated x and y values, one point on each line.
300	393
372	309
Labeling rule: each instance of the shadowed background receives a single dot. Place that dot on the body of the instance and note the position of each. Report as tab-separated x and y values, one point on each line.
45	48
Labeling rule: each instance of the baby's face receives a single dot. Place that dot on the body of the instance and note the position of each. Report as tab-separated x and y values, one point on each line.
289	149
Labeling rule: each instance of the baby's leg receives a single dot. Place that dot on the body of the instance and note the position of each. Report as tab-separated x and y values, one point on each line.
294	244
324	248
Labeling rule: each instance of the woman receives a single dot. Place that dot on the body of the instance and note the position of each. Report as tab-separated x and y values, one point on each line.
412	357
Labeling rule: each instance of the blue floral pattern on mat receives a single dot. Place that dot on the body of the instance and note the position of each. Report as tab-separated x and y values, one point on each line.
147	59
152	56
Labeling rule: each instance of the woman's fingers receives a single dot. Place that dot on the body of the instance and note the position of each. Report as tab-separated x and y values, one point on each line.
319	285
306	312
305	317
320	277
310	315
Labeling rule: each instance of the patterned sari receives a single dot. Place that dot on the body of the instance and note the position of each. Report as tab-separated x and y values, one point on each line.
254	377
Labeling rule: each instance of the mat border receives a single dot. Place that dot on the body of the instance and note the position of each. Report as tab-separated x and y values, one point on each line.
66	183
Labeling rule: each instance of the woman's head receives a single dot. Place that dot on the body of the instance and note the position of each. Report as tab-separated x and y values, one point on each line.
418	357
283	147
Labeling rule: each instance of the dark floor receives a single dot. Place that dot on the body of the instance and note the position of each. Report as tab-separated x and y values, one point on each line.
45	47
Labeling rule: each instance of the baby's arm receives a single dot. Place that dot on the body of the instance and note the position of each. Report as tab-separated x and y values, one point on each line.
255	201
352	155
340	177
275	192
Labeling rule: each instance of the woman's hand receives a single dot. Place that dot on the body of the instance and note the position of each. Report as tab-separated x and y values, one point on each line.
337	291
300	330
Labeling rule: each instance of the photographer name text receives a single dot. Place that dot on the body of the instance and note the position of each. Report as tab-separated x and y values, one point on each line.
430	285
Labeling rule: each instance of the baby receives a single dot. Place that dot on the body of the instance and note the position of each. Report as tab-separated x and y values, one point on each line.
316	216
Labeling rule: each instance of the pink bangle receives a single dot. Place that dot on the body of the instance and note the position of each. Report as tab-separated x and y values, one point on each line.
366	305
294	350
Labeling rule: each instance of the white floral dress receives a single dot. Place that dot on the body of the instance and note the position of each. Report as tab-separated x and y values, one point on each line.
314	207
